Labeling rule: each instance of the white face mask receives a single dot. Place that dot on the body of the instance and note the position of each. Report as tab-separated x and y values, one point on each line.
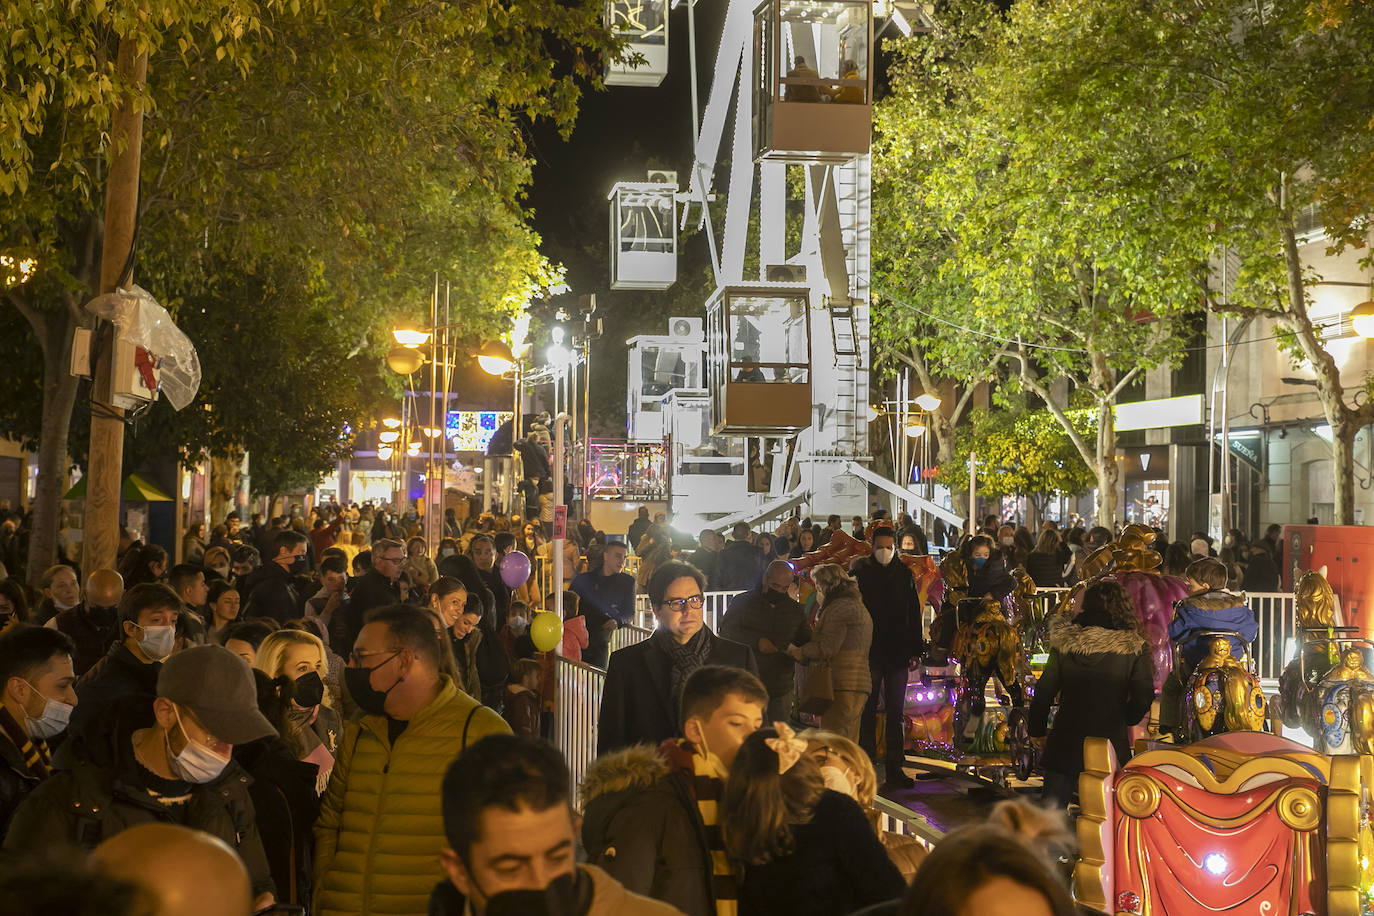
157	642
53	720
883	555
1007	542
517	624
837	780
196	763
222	570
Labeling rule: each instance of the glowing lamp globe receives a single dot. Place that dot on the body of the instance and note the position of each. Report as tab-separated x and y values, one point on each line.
928	402
404	360
495	358
410	337
1362	319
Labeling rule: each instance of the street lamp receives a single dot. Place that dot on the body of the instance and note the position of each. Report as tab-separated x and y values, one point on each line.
1362	319
410	337
928	402
495	358
405	360
388	436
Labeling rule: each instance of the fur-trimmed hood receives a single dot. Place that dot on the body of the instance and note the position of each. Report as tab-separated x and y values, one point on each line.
1067	636
636	767
1216	600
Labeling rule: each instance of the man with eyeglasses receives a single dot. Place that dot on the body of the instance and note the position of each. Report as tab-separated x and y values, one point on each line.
375	588
160	759
380	829
643	691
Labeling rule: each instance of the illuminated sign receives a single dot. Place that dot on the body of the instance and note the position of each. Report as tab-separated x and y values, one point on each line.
1160	413
471	430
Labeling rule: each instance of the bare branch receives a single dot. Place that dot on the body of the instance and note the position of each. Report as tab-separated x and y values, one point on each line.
1122	383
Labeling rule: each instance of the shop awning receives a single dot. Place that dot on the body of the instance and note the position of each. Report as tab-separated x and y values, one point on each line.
137	489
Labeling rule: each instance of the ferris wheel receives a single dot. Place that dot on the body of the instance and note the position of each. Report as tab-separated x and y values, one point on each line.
787	351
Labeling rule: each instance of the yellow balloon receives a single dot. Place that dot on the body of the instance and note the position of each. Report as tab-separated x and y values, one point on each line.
546	631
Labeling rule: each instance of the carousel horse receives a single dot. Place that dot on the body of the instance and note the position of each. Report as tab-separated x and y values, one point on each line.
1328	690
988	646
1223	693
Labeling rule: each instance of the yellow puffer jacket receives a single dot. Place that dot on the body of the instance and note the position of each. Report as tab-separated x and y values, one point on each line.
380	828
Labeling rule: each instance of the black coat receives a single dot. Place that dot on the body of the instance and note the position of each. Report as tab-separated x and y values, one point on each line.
751	617
889	593
1046	569
739	566
1104	681
373	590
641	824
116	676
92	639
102	793
637	704
460	567
15	781
837	865
268	591
992	581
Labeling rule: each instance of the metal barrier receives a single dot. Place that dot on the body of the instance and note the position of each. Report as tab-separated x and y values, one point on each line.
627	634
1278	625
577	703
712	612
893	818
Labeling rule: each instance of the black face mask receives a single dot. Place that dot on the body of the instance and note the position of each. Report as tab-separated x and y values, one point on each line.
297	567
309	690
102	616
566	895
359	683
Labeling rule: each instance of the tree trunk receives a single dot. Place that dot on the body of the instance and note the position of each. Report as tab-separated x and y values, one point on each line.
1108	470
1343	470
59	397
224	484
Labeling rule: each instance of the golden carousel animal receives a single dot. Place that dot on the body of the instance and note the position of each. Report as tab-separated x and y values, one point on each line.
987	646
1223	694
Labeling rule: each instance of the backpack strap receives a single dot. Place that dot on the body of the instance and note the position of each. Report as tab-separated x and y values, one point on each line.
468	721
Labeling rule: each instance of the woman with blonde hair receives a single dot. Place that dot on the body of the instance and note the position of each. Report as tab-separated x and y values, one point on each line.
845	768
840	641
296	661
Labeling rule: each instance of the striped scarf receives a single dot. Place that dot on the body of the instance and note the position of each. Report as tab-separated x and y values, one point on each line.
707	781
34	750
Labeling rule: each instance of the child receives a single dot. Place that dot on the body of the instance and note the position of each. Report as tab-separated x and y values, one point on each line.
575	635
1208	607
522	706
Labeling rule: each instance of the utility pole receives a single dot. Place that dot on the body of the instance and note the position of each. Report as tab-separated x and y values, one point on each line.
104	471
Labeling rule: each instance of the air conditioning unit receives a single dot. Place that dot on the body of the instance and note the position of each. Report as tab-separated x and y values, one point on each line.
687	328
662	176
785	273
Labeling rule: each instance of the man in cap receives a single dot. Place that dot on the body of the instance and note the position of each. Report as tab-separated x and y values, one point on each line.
161	760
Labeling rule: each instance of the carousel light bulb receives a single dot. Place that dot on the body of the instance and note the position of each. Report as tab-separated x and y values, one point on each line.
1215	863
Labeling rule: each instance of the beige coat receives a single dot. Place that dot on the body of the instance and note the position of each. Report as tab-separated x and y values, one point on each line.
841	639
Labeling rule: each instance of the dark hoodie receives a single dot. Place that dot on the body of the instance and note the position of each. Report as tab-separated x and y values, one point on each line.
1214	610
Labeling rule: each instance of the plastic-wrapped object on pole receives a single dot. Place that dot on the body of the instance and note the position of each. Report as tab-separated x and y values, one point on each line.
146	324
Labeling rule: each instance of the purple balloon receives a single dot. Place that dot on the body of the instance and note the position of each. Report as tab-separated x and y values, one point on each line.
515	569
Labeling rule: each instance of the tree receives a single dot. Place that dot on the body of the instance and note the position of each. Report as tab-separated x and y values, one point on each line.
359	149
1254	114
1020	452
1040	261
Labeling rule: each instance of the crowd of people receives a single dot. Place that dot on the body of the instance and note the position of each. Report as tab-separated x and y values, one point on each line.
313	714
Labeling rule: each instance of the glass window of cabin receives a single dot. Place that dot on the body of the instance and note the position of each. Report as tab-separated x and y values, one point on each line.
641	20
768	340
822	51
646	220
